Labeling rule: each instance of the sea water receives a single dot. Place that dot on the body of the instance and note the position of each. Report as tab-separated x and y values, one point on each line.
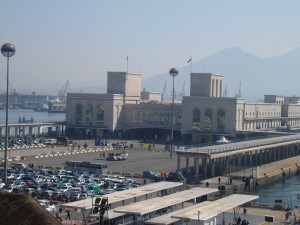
284	192
29	115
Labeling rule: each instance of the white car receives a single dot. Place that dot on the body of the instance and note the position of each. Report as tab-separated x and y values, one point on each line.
2	185
46	204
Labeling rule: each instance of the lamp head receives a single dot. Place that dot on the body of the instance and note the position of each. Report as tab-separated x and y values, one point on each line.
173	72
8	50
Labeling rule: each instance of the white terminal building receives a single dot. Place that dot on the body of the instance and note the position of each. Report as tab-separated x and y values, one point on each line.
126	111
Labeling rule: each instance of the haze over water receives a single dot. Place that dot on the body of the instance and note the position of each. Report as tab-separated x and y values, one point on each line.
15	114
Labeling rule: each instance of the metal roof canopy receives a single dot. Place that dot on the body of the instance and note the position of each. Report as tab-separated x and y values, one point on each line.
154	204
168	219
109	214
125	195
208	210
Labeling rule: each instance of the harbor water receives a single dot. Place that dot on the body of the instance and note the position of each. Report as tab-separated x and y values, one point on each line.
284	193
15	114
29	115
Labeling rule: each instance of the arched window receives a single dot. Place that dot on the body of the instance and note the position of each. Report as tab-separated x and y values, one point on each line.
196	119
100	112
89	113
78	113
221	120
208	120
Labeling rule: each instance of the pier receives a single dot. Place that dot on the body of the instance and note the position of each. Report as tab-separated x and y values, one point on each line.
31	128
218	160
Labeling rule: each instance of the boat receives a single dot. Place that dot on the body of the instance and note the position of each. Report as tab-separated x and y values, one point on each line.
40	109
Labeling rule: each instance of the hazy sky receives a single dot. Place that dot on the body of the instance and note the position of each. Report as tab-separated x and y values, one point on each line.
80	41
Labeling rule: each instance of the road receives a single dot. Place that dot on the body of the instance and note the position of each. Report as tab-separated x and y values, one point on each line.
139	159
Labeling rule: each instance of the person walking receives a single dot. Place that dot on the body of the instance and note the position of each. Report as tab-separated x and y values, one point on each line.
57	216
68	214
207	184
219	180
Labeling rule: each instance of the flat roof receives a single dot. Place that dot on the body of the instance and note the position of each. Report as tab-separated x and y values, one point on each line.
157	203
125	195
208	210
168	219
110	214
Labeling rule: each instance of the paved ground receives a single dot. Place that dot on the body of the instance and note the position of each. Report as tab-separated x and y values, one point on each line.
158	160
140	158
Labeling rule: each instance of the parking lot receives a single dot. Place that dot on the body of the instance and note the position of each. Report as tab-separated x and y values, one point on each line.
139	157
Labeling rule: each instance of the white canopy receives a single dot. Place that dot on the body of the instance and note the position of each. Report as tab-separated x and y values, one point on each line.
223	140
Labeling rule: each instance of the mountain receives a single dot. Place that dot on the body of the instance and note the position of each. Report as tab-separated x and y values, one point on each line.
258	76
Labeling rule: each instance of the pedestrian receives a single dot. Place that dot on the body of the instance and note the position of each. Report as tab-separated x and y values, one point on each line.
239	220
57	216
219	179
68	214
85	145
145	181
207	184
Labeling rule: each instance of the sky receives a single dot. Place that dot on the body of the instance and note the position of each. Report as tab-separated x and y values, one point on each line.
79	41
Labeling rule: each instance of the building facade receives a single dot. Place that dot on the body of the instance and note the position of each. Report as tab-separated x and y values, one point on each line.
204	116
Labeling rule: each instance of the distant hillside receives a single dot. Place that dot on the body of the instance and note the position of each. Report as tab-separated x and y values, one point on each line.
275	75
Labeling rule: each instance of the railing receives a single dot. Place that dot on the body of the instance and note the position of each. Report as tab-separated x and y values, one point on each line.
10	123
219	148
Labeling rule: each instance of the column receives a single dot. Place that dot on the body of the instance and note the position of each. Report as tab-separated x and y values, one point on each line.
250	159
23	131
204	163
17	131
256	158
49	130
196	165
239	162
178	162
30	130
212	166
227	164
187	164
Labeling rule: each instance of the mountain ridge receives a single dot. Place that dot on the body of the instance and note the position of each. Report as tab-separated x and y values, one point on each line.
259	76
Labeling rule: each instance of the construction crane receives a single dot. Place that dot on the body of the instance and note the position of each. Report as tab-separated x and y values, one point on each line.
225	94
239	94
183	90
63	91
163	95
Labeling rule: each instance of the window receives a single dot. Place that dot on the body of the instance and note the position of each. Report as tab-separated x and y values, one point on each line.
100	112
78	113
208	120
89	113
196	119
221	120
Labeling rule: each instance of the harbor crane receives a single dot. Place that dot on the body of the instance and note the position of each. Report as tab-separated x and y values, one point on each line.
63	91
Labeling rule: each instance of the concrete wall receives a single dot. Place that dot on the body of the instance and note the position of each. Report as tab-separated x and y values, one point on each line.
206	85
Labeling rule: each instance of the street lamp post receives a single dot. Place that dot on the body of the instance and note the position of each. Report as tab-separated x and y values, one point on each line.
7	50
173	72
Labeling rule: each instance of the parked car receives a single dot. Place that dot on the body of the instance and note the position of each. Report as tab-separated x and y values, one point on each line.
46	204
18	166
112	158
